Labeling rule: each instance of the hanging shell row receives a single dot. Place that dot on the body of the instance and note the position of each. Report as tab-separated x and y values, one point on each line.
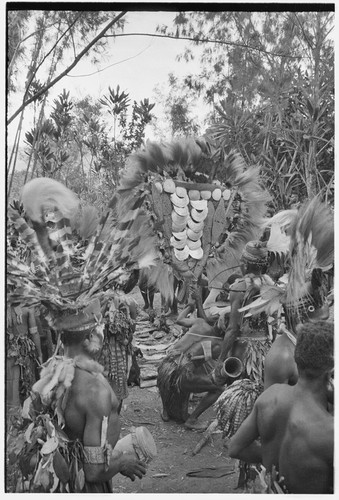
188	215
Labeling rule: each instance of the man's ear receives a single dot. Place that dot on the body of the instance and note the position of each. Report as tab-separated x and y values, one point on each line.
86	343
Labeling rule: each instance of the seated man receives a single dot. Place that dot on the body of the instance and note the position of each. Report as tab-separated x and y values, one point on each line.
187	369
296	430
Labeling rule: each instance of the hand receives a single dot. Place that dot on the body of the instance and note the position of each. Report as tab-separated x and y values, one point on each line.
132	467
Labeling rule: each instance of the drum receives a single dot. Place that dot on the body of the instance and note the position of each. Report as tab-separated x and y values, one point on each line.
140	441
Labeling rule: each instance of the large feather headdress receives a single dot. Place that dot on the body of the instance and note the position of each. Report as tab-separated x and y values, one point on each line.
52	277
201	225
311	252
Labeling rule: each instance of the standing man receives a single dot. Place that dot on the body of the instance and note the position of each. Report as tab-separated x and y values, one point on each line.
247	334
85	402
295	429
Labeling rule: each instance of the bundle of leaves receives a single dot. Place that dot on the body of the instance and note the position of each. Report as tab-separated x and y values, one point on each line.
48	461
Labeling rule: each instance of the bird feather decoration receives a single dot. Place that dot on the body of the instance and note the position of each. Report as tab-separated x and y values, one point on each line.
53	281
311	247
254	200
179	161
280	229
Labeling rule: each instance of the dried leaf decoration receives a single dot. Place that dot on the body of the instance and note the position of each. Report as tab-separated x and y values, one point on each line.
60	467
80	481
50	445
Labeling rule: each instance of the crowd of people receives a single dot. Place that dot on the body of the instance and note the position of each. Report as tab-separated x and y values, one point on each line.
65	383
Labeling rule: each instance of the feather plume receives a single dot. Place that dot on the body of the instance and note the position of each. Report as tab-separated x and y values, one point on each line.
88	222
278	241
42	194
284	219
312	246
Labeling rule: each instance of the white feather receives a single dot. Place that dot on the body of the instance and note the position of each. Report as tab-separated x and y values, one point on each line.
42	194
278	241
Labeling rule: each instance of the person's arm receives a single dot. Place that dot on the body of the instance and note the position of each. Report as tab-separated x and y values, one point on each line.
182	319
232	331
99	405
34	332
244	445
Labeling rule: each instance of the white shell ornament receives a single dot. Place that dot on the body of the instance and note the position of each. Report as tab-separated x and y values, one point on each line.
226	194
198	216
179	202
197	254
194	194
179	220
216	195
181	191
194	245
182	254
192	235
179	244
169	186
199	204
183	211
195	226
180	235
205	195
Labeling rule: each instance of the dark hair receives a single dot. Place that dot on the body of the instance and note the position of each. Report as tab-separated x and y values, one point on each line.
231	279
314	350
75	337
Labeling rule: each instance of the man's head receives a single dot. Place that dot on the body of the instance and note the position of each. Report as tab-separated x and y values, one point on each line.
254	258
82	329
89	340
314	353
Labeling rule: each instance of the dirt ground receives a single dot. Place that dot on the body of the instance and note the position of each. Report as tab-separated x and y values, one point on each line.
167	472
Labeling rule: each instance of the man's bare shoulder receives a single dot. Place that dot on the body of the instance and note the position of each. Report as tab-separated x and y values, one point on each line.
90	388
274	393
279	352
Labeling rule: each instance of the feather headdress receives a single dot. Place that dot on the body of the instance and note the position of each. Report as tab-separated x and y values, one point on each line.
52	278
199	224
311	252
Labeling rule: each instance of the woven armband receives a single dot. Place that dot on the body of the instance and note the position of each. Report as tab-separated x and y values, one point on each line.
98	454
94	454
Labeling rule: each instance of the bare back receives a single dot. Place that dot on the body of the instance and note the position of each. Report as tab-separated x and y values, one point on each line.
306	453
200	330
296	436
90	398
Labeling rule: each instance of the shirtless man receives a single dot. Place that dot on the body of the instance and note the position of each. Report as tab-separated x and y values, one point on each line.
247	334
187	369
295	429
90	399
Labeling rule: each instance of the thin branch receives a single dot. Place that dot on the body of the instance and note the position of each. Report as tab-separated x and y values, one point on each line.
208	40
54	46
310	44
67	70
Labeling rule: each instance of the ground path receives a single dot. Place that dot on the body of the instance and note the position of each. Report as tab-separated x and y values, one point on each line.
167	473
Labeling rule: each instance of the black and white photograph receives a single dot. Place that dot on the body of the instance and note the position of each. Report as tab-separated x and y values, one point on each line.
169	248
